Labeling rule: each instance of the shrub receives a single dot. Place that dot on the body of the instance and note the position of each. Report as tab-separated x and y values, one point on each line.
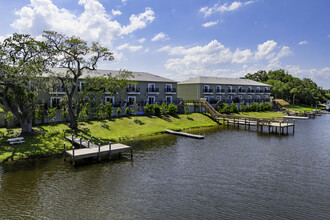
65	114
156	110
225	108
163	109
38	113
219	109
186	110
118	111
268	106
100	112
108	110
172	109
51	114
243	108
127	111
253	107
233	108
148	109
261	107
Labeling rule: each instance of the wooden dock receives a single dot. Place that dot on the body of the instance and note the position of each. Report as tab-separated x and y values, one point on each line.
185	134
89	150
296	117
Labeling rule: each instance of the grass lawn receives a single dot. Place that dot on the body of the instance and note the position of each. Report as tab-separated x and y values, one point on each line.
1	110
268	114
51	138
301	108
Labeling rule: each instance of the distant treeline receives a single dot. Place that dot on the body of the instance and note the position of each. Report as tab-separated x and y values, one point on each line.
292	89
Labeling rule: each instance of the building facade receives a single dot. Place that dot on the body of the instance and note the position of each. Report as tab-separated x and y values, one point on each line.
227	90
149	89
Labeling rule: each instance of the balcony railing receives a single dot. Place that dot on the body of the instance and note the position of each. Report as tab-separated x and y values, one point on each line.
133	90
155	90
170	90
250	91
241	90
266	91
231	90
208	90
220	91
258	91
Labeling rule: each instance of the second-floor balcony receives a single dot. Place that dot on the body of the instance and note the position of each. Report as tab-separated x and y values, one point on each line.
170	90
133	90
231	91
205	90
220	91
250	91
241	91
267	91
153	90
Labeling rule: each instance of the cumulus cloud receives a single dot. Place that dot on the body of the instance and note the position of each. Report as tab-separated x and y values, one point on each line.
131	48
303	42
211	23
115	12
142	40
202	59
160	36
226	7
93	23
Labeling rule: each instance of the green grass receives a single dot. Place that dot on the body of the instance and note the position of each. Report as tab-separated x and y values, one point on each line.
268	114
51	138
1	110
301	108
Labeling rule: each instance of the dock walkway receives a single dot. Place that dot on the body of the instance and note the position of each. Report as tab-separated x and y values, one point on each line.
185	134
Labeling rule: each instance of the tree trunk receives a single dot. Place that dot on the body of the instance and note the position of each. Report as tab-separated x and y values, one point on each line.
72	116
293	99
26	125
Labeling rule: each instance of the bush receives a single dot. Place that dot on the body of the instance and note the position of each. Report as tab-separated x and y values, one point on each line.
100	112
233	108
127	111
225	108
254	107
118	111
51	114
108	110
163	109
156	110
243	108
148	109
268	106
172	109
261	107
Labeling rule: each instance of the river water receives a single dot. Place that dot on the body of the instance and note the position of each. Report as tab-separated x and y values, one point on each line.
231	174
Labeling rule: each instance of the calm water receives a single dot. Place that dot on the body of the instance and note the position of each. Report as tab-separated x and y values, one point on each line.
231	174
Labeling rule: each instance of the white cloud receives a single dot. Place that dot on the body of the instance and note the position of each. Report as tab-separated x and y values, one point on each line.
160	36
146	50
207	59
115	12
142	40
226	7
124	2
129	47
303	42
211	23
94	24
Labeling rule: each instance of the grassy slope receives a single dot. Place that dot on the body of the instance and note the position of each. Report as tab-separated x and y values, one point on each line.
301	108
269	114
50	141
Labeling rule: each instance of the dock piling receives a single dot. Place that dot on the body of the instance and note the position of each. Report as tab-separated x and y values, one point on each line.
119	139
88	143
73	163
109	150
131	148
98	155
64	153
80	141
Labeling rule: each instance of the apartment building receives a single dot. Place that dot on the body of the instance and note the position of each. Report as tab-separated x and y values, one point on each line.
227	90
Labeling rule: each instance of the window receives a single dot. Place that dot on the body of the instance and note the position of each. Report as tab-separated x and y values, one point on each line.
240	89
249	89
55	102
151	87
258	89
230	89
109	99
168	99
218	89
151	100
206	88
131	100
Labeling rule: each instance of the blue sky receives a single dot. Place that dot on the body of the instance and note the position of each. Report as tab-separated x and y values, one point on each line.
179	39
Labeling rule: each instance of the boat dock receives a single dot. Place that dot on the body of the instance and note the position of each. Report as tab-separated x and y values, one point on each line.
296	117
87	149
184	134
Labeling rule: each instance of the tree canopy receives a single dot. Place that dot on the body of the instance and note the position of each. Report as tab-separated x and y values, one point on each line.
285	86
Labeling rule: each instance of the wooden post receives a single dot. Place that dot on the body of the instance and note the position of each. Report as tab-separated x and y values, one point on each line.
223	118
109	150
234	122
287	126
257	124
280	128
294	123
119	139
245	123
88	143
64	153
73	163
268	126
80	141
98	155
131	148
72	138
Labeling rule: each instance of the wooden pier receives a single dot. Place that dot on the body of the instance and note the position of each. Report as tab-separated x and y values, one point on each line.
274	125
87	149
185	134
